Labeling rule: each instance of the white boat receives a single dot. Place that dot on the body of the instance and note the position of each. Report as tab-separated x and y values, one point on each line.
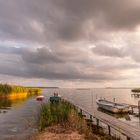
112	106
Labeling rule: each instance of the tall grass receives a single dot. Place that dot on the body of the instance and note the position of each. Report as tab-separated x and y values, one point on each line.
6	89
55	113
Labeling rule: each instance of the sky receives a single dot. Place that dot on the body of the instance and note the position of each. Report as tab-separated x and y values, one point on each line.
70	43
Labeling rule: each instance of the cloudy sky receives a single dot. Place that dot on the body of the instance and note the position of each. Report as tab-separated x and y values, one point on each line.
70	43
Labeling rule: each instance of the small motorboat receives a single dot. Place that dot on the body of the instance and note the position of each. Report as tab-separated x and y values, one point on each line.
112	106
56	98
40	98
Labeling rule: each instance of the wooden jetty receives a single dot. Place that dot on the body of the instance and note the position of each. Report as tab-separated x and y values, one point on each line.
129	131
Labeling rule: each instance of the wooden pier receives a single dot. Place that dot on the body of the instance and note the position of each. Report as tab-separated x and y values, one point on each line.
129	131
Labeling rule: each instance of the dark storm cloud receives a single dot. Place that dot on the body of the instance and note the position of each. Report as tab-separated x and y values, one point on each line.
46	20
56	25
41	63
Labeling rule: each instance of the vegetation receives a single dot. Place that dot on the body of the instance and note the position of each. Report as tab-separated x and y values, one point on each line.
55	113
64	114
32	91
6	89
136	90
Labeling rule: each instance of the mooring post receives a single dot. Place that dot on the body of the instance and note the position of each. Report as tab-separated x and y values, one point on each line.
97	122
128	138
81	112
139	107
91	121
114	100
91	118
132	110
109	130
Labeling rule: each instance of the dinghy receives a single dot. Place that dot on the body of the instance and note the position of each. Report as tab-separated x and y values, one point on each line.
40	98
112	106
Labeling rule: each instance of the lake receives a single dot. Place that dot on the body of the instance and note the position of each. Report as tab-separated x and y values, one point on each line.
18	118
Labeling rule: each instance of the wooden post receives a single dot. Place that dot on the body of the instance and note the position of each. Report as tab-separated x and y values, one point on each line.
91	118
139	107
128	138
81	112
97	122
132	110
114	100
91	121
109	130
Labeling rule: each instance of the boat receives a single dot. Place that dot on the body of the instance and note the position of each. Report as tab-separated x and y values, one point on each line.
56	98
40	98
112	106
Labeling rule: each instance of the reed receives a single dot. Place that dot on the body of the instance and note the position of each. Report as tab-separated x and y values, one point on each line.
8	90
55	113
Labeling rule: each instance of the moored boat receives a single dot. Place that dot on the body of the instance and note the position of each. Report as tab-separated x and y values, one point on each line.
40	98
112	106
56	98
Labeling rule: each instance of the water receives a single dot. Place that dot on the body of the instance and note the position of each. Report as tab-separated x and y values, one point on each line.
87	99
18	118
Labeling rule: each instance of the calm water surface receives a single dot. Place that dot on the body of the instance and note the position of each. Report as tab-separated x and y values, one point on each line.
18	118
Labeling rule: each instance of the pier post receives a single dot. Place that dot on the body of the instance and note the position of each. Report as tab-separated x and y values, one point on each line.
91	121
139	107
114	100
132	110
109	130
97	120
128	138
81	112
91	118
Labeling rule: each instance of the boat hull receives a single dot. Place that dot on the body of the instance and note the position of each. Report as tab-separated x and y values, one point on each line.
113	108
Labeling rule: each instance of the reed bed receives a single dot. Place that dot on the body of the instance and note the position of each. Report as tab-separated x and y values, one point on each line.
12	90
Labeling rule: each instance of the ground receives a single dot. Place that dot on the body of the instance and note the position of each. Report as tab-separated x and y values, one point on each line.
58	132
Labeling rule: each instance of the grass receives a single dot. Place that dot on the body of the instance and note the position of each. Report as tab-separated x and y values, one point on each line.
55	113
63	114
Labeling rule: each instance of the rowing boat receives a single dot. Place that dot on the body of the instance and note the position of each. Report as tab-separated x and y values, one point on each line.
112	106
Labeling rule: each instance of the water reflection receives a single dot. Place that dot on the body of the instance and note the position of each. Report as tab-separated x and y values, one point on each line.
116	115
7	104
